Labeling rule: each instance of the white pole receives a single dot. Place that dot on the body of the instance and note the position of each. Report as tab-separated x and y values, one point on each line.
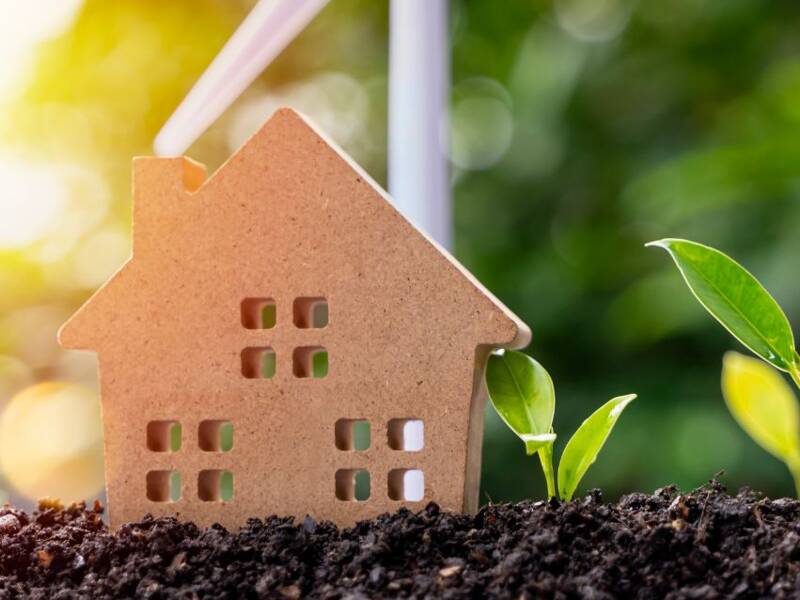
419	178
419	74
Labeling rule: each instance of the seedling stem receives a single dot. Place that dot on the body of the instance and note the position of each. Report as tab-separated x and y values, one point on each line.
794	372
546	458
522	393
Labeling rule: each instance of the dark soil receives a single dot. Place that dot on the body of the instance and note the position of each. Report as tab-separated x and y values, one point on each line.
705	544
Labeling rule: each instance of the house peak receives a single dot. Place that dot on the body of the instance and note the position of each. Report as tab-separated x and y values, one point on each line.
285	187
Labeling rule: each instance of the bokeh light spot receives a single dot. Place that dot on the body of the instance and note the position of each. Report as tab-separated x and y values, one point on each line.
336	102
98	257
593	20
33	200
482	125
23	25
51	442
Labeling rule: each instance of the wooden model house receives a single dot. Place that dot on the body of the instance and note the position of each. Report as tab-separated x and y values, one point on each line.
269	317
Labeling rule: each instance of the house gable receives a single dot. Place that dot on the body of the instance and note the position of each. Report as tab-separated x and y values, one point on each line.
310	158
173	193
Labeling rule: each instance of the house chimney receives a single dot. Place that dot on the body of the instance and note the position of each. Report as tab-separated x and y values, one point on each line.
160	188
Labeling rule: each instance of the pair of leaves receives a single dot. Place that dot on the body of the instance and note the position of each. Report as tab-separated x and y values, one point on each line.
523	395
757	396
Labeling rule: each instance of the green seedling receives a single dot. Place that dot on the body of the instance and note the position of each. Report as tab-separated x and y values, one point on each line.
523	395
755	393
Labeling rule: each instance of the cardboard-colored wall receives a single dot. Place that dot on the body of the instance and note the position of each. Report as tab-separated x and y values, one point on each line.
286	217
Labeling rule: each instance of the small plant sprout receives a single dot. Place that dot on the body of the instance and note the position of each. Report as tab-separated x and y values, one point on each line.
757	396
523	395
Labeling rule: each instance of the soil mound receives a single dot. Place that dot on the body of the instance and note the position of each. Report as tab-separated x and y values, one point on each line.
704	544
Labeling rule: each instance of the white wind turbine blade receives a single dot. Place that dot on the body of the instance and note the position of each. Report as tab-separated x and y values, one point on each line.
264	33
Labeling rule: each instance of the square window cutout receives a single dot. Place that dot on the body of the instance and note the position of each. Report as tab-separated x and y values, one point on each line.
215	485
215	436
310	313
352	485
407	435
258	363
352	434
310	361
163	436
164	486
259	313
406	485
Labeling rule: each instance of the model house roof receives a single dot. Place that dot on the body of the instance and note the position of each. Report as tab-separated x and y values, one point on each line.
181	218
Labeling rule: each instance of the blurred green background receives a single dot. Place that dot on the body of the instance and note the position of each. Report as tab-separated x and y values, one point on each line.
580	130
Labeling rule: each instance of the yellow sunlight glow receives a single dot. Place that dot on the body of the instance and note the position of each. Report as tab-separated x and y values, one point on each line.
34	197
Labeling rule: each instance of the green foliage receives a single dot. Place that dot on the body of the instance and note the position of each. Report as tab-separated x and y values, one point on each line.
585	444
763	404
765	407
736	299
673	128
523	395
756	395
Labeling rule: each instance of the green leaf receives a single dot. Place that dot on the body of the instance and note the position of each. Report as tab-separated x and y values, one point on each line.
522	393
584	446
736	299
763	404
